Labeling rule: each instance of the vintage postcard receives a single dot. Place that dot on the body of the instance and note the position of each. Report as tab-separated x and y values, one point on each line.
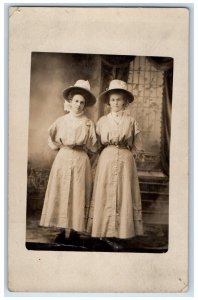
98	149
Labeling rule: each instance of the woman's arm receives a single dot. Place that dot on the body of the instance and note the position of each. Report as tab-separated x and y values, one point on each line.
52	137
137	147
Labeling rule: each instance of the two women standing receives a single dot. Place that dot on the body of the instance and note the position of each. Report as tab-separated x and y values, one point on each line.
115	203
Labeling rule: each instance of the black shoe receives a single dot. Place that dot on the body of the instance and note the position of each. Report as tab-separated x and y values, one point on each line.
114	244
60	239
99	244
74	235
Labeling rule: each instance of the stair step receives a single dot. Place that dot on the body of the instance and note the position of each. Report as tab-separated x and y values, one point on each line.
154	187
153	206
154	180
154	196
154	192
155	218
151	212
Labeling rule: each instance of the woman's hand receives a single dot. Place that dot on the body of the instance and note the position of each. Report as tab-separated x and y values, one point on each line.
141	155
138	154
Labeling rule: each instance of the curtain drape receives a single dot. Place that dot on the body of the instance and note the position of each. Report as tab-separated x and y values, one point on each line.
113	67
165	64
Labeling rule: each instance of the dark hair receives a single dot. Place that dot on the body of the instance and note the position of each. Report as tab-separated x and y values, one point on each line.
73	93
122	93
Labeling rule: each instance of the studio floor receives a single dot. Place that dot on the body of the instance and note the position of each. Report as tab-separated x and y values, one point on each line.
155	240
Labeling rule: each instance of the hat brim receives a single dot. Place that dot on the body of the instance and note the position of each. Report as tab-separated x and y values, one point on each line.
104	96
90	99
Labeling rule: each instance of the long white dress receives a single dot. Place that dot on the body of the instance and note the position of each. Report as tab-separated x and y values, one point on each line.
69	188
115	209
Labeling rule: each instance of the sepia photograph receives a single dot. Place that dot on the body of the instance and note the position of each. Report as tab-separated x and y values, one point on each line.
98	149
98	152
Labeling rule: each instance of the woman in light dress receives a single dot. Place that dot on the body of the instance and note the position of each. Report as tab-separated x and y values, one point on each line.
115	211
69	188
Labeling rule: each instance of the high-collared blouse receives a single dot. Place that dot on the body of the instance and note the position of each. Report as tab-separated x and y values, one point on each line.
72	130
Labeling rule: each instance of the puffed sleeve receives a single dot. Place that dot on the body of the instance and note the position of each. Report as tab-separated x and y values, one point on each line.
52	130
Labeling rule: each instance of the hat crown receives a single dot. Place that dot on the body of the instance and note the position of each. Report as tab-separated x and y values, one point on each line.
83	84
118	84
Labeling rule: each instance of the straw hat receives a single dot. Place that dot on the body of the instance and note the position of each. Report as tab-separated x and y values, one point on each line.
81	87
116	86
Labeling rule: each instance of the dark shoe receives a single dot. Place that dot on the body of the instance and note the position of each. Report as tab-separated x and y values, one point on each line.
74	235
60	239
99	244
114	244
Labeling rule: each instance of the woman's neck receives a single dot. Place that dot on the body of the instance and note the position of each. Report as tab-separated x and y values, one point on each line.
117	113
77	114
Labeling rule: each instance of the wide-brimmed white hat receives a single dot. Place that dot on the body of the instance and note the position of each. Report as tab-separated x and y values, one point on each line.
116	85
83	88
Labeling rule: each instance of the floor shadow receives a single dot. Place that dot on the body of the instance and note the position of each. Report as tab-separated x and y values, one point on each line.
155	240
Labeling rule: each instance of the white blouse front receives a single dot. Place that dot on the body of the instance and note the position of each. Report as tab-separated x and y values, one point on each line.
71	130
123	129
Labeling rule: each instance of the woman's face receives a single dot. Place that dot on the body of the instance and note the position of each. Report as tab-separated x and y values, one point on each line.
116	102
77	104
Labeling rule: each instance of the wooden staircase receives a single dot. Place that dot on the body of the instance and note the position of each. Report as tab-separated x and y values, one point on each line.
154	188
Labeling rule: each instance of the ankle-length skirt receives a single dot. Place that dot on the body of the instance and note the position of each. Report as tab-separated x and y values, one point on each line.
116	209
68	193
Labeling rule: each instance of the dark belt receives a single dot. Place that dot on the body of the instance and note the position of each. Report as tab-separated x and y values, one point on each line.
79	147
76	147
119	146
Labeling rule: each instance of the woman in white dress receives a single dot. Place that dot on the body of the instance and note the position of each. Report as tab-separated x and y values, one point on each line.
115	210
69	188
